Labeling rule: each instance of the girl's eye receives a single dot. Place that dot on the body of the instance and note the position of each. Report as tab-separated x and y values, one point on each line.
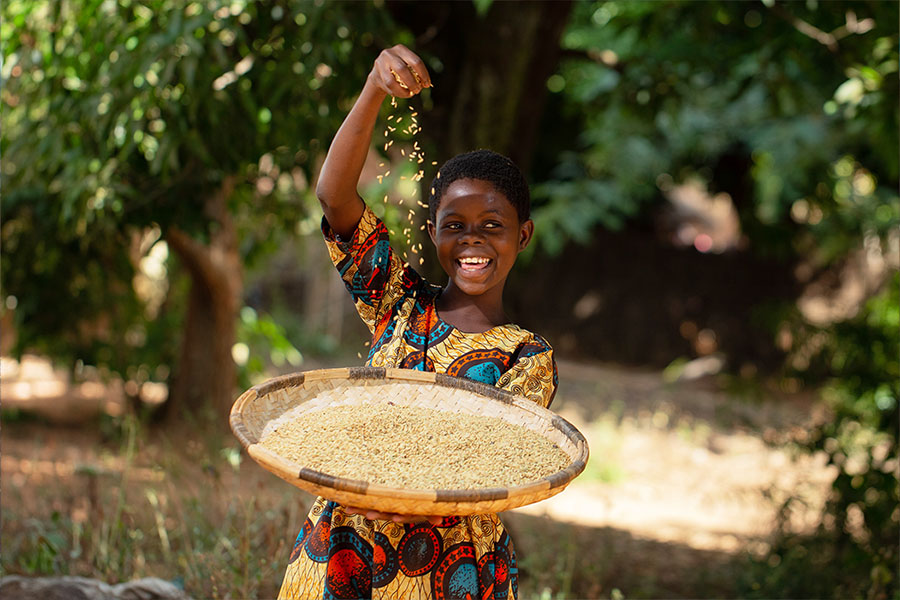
492	225
453	226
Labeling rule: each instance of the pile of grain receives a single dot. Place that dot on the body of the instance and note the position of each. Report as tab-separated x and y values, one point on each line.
414	448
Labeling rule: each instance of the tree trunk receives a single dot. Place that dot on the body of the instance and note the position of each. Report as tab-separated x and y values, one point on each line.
492	88
206	374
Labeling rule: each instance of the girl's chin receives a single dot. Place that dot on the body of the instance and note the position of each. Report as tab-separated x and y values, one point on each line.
464	278
471	288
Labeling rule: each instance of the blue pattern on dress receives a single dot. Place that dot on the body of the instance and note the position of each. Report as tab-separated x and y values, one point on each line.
485	372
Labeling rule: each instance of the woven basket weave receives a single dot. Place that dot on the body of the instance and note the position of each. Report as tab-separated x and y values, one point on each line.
266	402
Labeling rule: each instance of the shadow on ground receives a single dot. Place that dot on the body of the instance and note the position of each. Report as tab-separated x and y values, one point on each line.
575	561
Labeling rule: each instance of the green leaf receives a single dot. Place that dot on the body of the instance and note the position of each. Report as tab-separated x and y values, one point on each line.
482	6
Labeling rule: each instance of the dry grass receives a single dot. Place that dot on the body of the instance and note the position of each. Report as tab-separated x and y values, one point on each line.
116	500
147	503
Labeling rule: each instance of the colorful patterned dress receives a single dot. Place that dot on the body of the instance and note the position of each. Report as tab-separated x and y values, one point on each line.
337	555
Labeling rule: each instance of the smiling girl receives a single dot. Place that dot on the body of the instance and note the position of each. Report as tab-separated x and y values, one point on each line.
479	209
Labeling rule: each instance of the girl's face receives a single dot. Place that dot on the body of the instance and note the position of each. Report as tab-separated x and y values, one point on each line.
477	235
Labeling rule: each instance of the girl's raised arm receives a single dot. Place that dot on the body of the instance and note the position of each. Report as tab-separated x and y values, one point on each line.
397	71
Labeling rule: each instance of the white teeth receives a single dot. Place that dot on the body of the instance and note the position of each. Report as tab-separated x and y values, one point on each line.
474	261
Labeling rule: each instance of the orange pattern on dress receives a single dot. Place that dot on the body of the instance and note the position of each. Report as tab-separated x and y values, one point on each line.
337	555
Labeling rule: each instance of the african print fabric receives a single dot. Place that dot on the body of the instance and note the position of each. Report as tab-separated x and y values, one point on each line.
337	555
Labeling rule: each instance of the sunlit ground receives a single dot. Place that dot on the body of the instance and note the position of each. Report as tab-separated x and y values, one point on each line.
685	482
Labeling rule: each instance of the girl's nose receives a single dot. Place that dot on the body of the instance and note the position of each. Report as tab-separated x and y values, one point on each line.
471	236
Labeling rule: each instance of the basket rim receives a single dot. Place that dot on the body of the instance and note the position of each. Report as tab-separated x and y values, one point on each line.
291	471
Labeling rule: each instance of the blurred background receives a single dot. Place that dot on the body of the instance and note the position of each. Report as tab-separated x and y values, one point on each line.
715	193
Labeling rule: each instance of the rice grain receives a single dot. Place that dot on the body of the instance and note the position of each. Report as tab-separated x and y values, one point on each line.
413	447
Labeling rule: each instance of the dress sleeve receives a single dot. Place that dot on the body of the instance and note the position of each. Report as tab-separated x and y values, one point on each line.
375	277
533	374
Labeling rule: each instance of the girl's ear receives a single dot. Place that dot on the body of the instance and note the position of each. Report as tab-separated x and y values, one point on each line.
526	231
431	231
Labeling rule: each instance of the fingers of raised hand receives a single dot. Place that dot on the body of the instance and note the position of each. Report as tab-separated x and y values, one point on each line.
414	64
390	85
401	72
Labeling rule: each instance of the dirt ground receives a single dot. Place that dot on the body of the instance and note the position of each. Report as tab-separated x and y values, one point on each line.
685	479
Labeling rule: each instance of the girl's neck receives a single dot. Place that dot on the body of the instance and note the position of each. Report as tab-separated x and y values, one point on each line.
471	314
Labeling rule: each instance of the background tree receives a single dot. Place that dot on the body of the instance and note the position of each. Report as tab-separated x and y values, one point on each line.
185	124
200	125
791	110
755	99
486	96
128	123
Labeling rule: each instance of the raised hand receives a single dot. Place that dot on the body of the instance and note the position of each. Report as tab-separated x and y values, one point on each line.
398	71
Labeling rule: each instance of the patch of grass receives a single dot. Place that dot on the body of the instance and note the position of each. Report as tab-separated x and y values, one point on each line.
804	566
693	431
604	464
602	470
550	574
11	415
748	389
185	508
43	549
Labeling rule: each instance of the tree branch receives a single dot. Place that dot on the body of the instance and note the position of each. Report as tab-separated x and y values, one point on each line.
205	262
829	40
192	253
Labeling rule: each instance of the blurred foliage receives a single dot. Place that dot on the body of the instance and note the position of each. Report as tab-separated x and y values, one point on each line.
734	94
196	524
261	342
791	109
120	118
859	359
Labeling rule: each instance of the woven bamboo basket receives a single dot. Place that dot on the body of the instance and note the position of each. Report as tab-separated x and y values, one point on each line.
264	403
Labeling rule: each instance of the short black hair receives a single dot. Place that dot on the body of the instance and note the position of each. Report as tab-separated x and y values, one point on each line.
485	165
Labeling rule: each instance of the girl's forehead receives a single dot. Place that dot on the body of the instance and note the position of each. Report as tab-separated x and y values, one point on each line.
473	195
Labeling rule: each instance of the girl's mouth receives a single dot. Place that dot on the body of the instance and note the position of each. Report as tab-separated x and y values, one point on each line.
473	264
